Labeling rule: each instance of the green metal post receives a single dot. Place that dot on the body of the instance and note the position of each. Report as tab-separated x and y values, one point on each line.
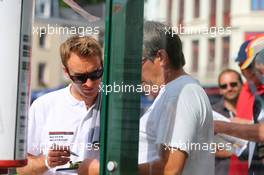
122	66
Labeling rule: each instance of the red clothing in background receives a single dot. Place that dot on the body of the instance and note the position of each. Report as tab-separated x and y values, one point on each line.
245	111
245	103
246	100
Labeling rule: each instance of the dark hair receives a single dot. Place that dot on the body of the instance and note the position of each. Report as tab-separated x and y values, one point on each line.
230	71
159	36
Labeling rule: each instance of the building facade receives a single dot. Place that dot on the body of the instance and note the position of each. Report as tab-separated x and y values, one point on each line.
211	31
52	25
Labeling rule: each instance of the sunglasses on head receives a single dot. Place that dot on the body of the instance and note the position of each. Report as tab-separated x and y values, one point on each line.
232	84
82	78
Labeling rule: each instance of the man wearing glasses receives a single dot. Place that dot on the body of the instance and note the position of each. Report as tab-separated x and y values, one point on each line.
179	121
63	125
253	102
230	84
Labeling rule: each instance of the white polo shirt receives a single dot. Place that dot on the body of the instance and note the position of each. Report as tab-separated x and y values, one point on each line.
180	117
58	118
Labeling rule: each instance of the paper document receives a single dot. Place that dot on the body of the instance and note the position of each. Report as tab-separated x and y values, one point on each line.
220	117
238	145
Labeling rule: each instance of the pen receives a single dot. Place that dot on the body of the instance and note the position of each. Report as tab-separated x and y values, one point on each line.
72	153
56	147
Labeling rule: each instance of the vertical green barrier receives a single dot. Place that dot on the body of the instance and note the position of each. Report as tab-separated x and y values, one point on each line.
122	66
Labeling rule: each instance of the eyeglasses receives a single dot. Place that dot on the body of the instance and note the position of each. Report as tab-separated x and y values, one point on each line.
232	84
82	78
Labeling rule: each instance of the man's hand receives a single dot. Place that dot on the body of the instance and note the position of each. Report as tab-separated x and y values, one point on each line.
58	155
223	154
35	166
89	167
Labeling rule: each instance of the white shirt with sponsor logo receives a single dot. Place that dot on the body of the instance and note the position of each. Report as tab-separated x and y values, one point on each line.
180	117
58	118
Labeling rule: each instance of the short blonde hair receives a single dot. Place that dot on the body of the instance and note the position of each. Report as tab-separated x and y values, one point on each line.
82	46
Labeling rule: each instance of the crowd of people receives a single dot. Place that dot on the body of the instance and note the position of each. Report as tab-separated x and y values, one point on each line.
177	132
246	123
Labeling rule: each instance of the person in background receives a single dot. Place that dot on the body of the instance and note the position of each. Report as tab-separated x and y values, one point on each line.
230	84
251	132
244	103
246	97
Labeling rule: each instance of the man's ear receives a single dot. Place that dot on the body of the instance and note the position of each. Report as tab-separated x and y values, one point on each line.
163	56
65	71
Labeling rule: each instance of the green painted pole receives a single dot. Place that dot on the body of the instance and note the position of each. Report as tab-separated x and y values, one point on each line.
122	66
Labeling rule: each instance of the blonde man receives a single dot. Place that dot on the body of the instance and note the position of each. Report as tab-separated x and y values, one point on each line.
64	124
